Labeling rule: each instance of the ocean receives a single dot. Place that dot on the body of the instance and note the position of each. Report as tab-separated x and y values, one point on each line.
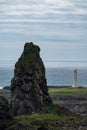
59	76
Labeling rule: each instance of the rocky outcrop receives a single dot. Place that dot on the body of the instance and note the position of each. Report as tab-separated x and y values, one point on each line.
4	108
76	108
76	104
28	86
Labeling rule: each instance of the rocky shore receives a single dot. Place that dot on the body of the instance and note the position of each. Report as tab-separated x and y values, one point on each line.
75	104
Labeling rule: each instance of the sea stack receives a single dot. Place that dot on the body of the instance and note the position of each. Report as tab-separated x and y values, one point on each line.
29	90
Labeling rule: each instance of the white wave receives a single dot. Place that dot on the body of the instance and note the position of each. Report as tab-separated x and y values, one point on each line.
0	87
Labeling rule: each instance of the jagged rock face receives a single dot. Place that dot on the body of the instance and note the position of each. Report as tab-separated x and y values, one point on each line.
28	87
4	108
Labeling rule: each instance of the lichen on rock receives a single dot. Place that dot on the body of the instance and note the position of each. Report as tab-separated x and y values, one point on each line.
28	86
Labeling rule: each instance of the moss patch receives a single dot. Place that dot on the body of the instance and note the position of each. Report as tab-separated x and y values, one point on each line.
49	121
48	117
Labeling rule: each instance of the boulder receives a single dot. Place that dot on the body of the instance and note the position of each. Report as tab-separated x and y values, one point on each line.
7	88
29	90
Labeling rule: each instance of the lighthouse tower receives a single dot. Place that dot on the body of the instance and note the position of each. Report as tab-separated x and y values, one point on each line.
75	79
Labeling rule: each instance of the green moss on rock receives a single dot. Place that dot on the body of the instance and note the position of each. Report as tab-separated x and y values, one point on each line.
48	121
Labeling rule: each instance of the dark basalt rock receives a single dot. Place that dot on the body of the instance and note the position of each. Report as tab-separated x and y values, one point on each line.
28	86
42	128
4	108
7	88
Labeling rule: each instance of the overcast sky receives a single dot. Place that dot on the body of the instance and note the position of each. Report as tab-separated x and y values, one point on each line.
59	27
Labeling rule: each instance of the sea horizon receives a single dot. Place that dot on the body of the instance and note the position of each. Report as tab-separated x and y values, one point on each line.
60	75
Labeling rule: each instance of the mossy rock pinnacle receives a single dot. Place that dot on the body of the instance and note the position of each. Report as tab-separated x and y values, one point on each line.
28	86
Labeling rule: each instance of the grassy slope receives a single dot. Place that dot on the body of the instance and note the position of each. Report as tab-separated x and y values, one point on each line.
68	91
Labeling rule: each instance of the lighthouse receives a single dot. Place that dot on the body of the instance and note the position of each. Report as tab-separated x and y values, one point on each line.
75	79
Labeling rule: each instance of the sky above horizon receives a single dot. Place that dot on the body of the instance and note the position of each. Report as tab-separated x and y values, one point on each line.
59	27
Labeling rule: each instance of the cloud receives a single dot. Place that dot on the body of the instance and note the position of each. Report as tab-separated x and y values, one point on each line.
41	8
43	11
59	25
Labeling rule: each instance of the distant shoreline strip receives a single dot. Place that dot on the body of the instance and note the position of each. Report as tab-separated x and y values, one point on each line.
65	61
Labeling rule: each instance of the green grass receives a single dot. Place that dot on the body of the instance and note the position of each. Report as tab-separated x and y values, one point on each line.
39	117
68	91
50	121
52	109
47	117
